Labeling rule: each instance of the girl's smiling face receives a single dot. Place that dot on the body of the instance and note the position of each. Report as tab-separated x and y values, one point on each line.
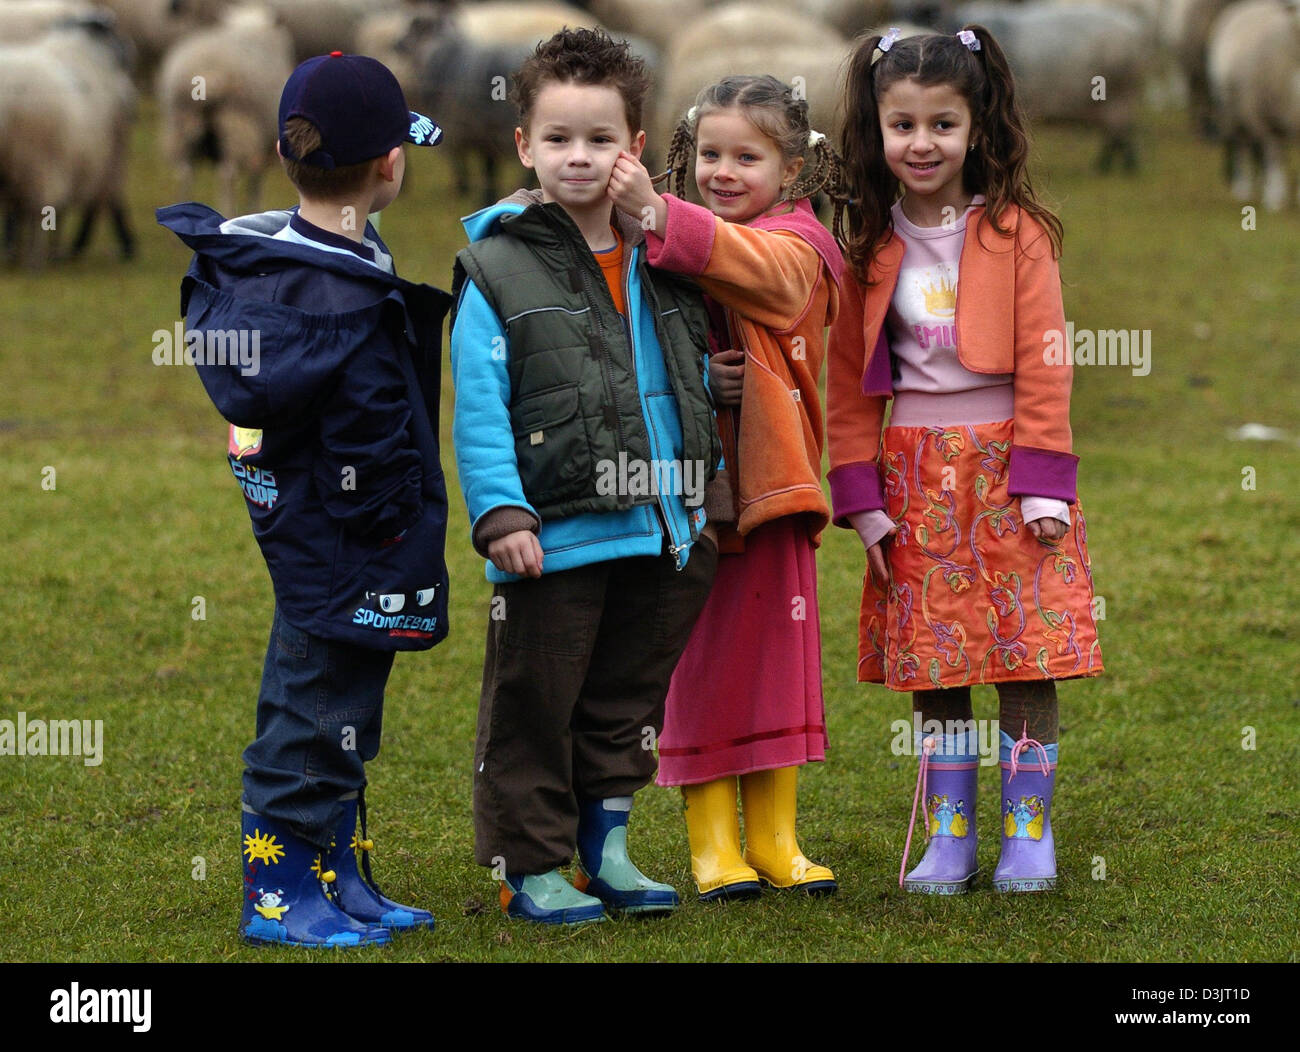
927	131
739	170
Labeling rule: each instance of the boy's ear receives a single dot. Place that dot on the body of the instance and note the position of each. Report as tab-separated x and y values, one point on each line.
638	144
387	164
522	148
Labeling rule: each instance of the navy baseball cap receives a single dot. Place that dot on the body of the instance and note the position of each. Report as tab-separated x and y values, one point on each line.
358	106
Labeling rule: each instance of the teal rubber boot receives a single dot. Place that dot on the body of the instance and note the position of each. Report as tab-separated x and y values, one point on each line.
604	869
547	898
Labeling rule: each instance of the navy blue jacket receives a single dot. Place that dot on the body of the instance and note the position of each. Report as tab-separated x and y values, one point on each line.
332	397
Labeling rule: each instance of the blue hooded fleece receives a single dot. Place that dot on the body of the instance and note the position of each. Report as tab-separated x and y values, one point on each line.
334	422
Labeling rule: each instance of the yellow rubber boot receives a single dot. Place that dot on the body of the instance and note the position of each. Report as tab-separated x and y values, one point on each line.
770	799
714	830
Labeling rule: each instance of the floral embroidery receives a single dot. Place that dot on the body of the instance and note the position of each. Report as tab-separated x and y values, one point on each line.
974	597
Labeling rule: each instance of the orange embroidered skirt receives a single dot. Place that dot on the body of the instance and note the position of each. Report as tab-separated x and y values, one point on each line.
974	597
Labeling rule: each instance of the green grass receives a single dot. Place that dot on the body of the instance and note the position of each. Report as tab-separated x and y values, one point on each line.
1200	638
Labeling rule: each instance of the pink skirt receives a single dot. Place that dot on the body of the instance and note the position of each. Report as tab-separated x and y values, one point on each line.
747	692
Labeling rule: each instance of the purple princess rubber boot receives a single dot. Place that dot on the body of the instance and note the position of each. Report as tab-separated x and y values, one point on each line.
1028	861
949	765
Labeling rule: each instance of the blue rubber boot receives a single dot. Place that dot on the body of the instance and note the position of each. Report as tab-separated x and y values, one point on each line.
285	900
604	870
949	866
1028	861
547	898
355	890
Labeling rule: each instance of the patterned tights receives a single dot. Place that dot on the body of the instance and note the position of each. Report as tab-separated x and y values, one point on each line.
1031	702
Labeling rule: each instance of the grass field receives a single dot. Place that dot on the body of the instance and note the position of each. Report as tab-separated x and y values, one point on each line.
1194	554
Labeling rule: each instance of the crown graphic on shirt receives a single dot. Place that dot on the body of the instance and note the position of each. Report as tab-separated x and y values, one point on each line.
941	300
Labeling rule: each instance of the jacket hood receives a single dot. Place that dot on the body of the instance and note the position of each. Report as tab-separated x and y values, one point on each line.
804	222
486	221
263	361
489	221
248	242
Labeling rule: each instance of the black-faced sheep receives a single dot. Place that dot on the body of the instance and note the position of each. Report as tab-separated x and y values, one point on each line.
466	57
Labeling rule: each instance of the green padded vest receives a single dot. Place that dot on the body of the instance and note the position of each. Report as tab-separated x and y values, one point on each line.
574	400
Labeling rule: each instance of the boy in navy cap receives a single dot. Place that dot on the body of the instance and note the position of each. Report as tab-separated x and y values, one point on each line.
334	444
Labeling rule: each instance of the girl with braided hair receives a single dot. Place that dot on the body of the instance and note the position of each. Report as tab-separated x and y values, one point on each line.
978	568
746	697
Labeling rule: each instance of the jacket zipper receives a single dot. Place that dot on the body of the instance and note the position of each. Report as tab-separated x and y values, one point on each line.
589	291
692	533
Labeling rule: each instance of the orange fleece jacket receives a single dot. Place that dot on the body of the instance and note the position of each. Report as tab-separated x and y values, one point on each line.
778	279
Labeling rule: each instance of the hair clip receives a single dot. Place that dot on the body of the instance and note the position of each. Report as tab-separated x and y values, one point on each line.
692	113
969	39
887	41
814	137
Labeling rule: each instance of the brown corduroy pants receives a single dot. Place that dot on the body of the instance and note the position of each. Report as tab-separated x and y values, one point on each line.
575	672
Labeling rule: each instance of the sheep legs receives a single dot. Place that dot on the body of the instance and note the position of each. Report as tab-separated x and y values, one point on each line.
1245	156
125	238
1275	179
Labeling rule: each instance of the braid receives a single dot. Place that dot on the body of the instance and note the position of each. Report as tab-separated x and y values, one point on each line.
680	150
827	174
836	184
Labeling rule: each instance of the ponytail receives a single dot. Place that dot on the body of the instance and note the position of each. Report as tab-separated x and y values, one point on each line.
999	164
862	219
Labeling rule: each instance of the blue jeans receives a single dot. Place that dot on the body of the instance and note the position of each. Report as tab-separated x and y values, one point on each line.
319	715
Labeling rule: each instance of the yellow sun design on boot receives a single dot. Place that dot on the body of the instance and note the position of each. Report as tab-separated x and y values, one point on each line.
262	848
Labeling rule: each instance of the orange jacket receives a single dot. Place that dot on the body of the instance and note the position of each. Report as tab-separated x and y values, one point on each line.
1008	305
778	278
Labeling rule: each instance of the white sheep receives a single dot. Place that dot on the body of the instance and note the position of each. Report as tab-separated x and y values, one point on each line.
656	20
1074	63
1253	68
321	26
661	21
753	39
219	95
397	35
67	103
154	26
27	19
529	21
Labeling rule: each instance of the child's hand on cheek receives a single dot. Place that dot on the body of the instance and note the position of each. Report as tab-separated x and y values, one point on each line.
632	192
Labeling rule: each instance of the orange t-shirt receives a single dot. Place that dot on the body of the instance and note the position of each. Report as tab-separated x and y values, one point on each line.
611	265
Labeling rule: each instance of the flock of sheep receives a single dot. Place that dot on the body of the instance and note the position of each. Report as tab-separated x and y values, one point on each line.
71	72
